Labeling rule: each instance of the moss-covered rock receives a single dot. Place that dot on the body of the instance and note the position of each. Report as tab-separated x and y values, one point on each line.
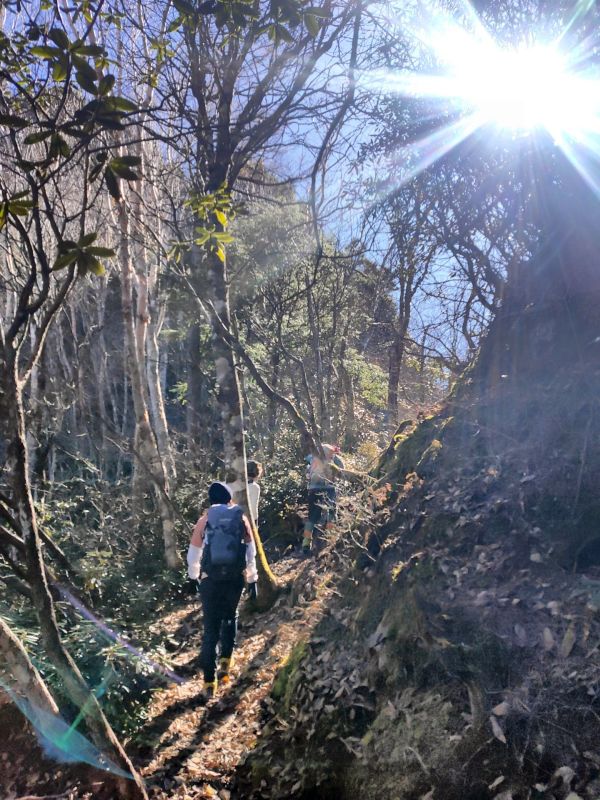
289	675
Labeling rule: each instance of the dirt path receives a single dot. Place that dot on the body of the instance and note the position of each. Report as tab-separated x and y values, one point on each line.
191	751
185	750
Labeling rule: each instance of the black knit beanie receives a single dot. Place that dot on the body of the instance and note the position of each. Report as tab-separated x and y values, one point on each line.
219	493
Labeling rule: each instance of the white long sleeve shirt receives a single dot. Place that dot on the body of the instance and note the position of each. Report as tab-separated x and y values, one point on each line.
196	548
253	498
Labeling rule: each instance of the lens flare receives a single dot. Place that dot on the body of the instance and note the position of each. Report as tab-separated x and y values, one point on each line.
521	88
116	637
61	741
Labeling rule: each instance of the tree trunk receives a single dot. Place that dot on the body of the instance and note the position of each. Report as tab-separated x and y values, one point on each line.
272	406
155	393
196	411
74	684
396	354
149	324
19	676
34	406
324	412
350	433
146	448
229	401
98	355
422	374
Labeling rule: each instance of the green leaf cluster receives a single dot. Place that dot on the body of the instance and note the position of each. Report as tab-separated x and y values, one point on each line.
65	57
84	253
237	15
18	205
370	377
69	62
113	169
214	211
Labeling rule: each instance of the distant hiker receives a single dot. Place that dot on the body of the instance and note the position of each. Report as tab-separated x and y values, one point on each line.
322	493
221	551
254	470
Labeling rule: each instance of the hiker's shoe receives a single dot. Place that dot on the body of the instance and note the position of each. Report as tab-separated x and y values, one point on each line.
306	552
223	676
208	692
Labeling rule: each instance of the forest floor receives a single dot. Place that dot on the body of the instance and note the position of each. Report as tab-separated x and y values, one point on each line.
187	750
192	750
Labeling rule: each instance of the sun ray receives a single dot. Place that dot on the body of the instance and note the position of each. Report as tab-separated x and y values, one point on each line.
533	85
417	156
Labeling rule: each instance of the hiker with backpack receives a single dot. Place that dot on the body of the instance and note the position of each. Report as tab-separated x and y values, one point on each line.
222	551
322	494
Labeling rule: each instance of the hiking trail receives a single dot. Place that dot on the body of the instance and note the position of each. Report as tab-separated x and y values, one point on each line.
190	750
186	750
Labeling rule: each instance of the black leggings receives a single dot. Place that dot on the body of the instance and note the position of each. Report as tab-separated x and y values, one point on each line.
220	601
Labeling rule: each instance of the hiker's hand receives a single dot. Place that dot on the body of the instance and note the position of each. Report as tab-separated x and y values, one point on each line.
252	591
190	587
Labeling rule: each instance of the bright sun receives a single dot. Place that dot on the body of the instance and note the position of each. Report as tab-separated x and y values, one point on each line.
522	88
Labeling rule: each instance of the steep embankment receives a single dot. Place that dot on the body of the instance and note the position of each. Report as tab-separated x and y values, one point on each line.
463	662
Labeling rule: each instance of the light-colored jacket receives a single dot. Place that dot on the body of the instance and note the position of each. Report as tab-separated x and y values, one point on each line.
319	473
196	548
253	498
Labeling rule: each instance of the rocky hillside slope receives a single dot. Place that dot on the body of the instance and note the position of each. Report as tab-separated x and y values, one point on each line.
461	659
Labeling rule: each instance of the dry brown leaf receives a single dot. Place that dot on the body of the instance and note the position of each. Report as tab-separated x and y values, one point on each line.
497	730
568	642
494	785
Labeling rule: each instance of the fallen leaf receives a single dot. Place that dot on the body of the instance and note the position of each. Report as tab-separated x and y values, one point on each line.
568	641
566	774
497	782
521	635
548	639
497	730
502	709
377	638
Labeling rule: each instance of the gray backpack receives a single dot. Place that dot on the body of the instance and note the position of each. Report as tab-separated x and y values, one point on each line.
224	554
